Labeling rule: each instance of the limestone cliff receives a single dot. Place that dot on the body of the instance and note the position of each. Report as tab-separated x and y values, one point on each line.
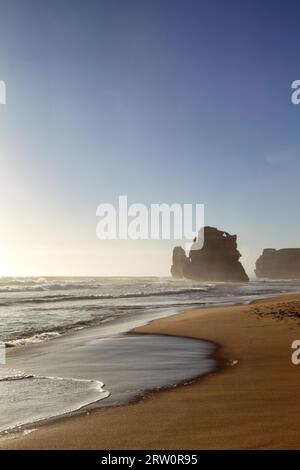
217	260
279	264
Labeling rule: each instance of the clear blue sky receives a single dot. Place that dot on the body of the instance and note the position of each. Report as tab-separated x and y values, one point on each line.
165	101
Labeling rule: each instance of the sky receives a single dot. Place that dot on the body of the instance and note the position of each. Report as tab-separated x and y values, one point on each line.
185	101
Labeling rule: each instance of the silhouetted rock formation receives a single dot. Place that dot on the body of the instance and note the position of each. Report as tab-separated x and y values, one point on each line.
279	264
217	260
180	261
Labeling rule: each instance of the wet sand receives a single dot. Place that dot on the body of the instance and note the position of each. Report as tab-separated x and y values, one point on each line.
251	402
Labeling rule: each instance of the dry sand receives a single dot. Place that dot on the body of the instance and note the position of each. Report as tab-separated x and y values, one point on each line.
251	402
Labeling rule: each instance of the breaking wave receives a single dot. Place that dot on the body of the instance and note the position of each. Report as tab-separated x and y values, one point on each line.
37	398
74	298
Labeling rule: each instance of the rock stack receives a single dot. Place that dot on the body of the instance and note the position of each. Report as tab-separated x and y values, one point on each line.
279	264
217	260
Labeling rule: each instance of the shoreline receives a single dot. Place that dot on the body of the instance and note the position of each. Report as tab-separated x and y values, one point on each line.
175	362
17	432
66	432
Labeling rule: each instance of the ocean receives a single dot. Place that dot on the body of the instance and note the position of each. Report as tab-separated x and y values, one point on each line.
68	348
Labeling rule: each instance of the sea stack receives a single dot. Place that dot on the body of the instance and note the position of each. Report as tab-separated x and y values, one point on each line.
216	260
279	264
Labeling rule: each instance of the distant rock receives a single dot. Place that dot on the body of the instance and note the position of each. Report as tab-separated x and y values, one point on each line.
180	262
279	264
217	260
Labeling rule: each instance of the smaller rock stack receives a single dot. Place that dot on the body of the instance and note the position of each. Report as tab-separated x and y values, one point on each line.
279	264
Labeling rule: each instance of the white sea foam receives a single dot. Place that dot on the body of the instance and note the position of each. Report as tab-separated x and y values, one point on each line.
38	338
30	398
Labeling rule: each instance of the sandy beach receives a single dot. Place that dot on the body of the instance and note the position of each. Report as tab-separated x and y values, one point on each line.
250	402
